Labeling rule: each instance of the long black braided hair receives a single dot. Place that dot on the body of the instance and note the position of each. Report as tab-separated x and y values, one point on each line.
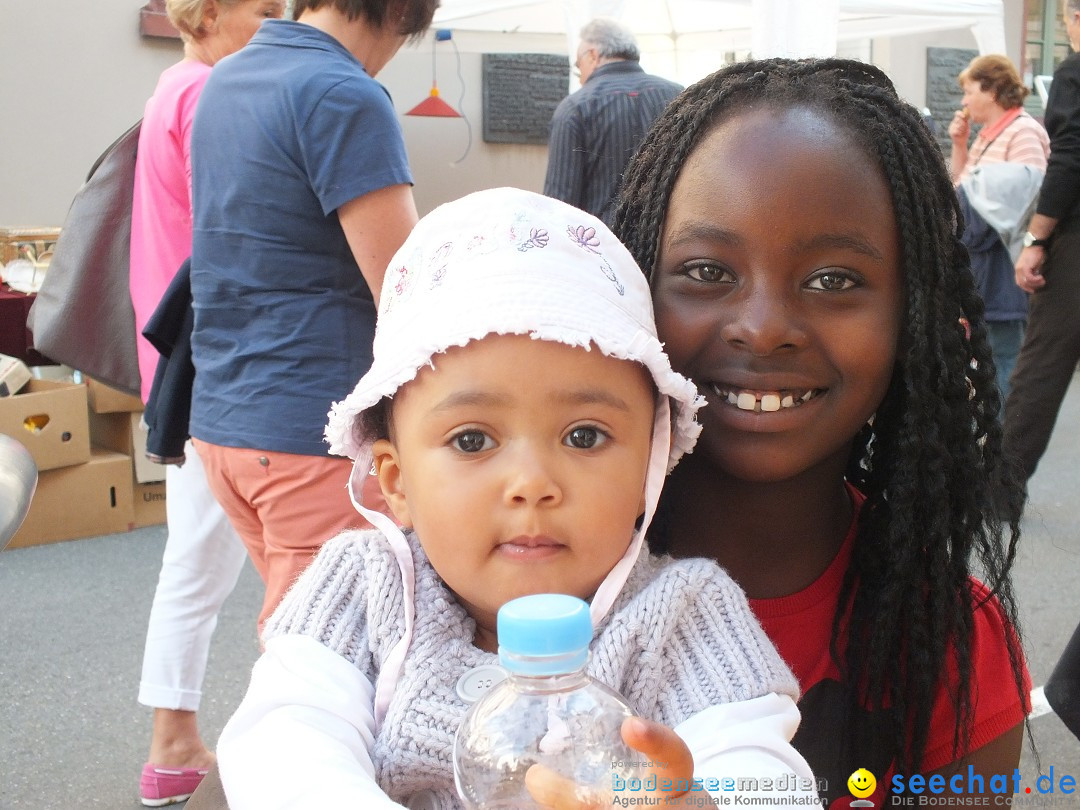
940	499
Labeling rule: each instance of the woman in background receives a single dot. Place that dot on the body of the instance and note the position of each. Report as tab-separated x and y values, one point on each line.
994	98
203	554
302	192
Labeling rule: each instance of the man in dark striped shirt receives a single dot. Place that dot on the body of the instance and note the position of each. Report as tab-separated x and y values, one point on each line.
596	130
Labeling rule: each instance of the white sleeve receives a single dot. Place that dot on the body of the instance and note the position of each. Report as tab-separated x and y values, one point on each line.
744	748
301	737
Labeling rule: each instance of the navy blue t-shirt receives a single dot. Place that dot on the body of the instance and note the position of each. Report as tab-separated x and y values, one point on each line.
287	130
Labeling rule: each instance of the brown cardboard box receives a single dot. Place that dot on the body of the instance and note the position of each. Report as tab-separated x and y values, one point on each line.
146	471
123	433
50	419
149	503
104	399
80	501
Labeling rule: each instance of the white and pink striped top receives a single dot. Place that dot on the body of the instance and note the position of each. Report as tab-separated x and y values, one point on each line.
1017	138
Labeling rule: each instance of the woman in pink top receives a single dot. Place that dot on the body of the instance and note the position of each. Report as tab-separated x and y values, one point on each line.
203	556
993	98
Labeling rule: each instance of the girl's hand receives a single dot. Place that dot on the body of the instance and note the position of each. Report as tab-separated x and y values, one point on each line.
671	766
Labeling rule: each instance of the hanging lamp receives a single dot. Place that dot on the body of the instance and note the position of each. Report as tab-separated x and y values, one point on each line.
433	106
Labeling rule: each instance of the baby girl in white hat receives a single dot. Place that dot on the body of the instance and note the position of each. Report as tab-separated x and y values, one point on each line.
521	416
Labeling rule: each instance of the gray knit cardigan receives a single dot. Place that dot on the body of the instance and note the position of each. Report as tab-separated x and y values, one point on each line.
680	638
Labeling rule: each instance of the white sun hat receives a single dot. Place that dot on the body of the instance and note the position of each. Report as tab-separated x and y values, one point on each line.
511	262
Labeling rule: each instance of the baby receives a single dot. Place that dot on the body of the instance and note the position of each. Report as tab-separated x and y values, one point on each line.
521	416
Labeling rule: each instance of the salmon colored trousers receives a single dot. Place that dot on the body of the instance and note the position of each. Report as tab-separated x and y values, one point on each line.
284	507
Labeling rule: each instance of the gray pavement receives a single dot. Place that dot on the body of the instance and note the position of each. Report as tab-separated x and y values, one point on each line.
73	617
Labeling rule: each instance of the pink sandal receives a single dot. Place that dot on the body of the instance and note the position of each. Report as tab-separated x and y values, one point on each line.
161	786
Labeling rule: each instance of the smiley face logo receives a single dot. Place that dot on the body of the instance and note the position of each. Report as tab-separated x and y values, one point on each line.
861	783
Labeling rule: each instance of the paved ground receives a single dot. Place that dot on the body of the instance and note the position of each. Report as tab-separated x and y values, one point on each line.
72	619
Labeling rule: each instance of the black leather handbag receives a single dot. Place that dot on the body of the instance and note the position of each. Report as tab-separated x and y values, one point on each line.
83	316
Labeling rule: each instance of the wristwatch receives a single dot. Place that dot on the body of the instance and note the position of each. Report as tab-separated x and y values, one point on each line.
1030	240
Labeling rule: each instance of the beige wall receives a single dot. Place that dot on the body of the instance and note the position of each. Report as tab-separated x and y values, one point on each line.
74	75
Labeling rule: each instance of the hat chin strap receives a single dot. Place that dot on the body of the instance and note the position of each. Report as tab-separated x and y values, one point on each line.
655	474
391	668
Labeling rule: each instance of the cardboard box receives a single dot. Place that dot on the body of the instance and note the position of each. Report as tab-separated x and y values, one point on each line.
104	399
14	374
149	503
50	419
123	433
85	500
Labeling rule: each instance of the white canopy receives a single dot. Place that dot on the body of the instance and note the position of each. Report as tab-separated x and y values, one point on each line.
764	27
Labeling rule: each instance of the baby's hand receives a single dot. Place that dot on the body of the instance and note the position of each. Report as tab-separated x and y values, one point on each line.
672	765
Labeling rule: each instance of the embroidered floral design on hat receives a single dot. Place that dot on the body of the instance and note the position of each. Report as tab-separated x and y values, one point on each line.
609	271
518	227
479	244
439	262
538	237
585	237
400	281
397	279
401	274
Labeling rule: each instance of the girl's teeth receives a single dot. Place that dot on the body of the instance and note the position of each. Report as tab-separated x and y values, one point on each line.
768	403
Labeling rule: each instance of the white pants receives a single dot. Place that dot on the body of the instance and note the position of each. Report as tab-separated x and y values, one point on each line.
202	561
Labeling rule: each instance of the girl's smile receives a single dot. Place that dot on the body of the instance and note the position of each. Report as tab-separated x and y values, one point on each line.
756	412
765	404
761	402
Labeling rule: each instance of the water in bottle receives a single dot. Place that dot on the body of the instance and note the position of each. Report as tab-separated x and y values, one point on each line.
548	711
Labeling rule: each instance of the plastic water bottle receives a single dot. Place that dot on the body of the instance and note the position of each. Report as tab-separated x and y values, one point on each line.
548	711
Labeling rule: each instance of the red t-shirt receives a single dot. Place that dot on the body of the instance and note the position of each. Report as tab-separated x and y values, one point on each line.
800	625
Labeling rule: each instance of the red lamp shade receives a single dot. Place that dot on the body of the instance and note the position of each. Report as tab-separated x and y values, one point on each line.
434	107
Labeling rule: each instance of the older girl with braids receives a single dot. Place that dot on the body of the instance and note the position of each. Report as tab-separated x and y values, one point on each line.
801	236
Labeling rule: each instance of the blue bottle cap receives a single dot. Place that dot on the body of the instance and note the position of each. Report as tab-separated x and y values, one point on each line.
544	634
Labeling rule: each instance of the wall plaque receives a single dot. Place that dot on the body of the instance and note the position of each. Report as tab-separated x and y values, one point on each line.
521	91
943	92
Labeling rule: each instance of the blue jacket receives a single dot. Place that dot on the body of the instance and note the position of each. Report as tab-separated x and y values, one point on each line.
992	267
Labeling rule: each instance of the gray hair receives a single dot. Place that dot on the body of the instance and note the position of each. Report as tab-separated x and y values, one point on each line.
1072	6
613	40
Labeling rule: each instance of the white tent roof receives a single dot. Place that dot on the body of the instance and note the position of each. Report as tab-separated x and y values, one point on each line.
737	24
